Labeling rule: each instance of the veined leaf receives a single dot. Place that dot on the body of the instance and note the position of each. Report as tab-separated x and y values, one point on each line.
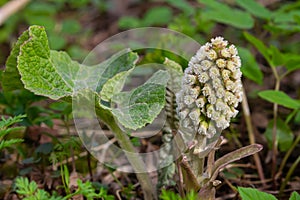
54	74
252	194
37	68
120	62
11	79
140	106
254	8
114	85
280	98
250	67
284	135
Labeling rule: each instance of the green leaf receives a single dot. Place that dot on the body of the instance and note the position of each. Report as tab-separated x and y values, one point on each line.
129	22
222	13
39	70
280	98
53	74
114	85
254	194
284	135
119	62
70	26
11	77
295	196
278	58
250	67
141	106
259	45
157	16
254	8
292	61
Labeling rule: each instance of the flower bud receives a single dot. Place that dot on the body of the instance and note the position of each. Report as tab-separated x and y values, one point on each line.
211	89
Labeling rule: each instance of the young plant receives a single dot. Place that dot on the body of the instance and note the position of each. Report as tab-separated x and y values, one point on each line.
33	66
30	191
5	129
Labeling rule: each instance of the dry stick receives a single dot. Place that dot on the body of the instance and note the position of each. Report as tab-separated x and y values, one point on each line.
274	132
10	8
251	136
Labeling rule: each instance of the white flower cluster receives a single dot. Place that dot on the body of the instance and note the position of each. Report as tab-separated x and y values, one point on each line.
211	88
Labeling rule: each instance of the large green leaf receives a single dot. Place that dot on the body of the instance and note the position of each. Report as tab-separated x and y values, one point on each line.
280	98
40	72
54	74
140	106
254	194
254	8
11	77
222	13
250	67
284	135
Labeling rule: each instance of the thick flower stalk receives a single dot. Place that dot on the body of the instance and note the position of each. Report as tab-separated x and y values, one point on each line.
211	90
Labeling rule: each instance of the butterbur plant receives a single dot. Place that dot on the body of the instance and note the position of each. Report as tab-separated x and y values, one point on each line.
211	91
207	100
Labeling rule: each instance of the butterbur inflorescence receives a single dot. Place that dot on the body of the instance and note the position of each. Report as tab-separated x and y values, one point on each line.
211	89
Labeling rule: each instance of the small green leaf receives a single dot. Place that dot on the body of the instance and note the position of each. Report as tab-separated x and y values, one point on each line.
157	16
280	98
284	135
260	46
70	26
278	58
11	79
295	196
114	85
254	8
292	61
250	67
222	13
129	22
254	194
141	106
